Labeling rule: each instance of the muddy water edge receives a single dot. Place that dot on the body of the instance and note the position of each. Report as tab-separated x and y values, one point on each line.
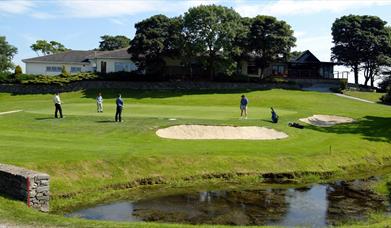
267	203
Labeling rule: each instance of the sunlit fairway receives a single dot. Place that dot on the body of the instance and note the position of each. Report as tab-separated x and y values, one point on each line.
86	152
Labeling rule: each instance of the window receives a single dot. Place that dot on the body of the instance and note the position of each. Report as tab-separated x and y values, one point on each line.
123	67
278	69
75	69
53	69
252	70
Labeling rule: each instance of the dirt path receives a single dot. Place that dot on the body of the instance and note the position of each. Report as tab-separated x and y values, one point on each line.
354	98
9	112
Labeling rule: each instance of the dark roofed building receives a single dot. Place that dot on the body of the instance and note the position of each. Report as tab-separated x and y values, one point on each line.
308	66
304	66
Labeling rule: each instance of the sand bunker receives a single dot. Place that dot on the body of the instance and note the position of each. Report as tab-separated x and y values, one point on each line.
219	132
326	120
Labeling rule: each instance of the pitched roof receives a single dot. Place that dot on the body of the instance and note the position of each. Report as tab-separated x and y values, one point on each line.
73	56
119	53
306	57
68	56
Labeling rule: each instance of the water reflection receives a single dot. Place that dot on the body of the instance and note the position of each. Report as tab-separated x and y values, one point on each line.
316	206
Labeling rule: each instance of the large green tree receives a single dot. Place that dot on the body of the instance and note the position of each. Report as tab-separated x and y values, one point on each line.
156	37
7	52
46	48
360	42
377	47
110	43
211	32
269	40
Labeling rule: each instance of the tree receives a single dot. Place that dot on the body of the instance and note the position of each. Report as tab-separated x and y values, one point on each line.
18	70
269	40
46	48
360	42
211	31
110	43
295	54
64	71
7	52
155	38
377	47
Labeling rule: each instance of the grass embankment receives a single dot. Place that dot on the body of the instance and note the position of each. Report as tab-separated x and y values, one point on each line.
370	96
88	155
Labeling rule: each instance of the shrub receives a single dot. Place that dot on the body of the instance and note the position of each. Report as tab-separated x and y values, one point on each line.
6	77
342	84
386	81
18	70
59	80
386	98
64	72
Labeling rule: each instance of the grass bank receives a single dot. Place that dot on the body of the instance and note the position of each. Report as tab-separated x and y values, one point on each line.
370	96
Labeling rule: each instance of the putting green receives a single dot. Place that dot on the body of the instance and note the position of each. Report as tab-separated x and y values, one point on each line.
163	111
88	156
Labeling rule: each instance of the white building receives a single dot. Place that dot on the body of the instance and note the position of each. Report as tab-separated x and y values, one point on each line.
81	61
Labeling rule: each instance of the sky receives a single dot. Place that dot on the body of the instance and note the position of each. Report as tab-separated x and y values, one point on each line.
78	24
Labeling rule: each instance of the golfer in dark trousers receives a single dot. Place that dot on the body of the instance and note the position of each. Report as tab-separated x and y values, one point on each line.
57	104
120	104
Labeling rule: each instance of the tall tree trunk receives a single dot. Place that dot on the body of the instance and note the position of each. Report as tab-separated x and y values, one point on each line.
262	71
366	81
373	81
211	67
355	70
366	75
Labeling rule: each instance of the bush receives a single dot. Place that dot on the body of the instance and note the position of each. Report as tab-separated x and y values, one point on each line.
7	77
343	84
386	81
386	98
18	70
64	72
59	80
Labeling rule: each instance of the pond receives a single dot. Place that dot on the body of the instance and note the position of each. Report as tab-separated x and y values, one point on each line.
316	205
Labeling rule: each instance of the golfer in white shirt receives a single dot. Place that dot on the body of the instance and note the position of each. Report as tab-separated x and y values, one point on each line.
99	102
57	105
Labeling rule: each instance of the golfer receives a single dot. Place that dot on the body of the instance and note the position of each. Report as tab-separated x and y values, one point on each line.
243	107
274	115
57	105
99	103
120	105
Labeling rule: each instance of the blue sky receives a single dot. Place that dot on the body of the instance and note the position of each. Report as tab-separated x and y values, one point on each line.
78	24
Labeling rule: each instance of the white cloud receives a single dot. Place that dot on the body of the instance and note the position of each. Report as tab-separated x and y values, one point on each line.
118	21
42	15
292	7
15	7
117	8
299	34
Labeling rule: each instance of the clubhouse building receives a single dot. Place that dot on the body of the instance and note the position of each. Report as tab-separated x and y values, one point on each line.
81	61
305	66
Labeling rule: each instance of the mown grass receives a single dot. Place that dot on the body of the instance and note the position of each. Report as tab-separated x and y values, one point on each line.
370	96
86	152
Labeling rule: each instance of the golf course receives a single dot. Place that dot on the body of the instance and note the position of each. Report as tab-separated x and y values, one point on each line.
91	159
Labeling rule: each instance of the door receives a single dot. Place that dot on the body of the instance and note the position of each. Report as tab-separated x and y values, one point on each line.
103	67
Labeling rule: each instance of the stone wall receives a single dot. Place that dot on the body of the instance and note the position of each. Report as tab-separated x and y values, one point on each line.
26	185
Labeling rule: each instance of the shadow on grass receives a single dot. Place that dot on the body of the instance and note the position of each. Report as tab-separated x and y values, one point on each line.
44	118
105	121
372	128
